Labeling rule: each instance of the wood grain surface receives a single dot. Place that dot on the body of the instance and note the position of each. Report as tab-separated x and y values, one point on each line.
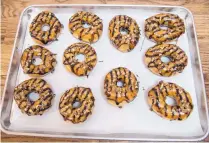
11	10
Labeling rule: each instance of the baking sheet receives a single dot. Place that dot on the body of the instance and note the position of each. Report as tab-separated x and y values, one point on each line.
134	117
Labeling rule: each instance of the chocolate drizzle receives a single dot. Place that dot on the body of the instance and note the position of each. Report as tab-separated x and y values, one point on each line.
33	107
163	109
119	40
80	68
175	27
178	59
125	93
78	114
43	19
27	58
90	34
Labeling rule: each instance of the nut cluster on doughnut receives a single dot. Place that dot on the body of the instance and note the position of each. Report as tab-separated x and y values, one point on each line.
157	96
76	114
178	59
89	34
175	27
119	95
36	85
45	18
73	65
124	42
28	59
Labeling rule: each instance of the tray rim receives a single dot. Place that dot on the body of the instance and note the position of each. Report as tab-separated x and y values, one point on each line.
7	131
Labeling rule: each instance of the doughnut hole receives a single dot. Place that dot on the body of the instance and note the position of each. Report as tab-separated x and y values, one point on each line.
85	24
76	104
124	30
33	96
170	101
45	27
37	60
80	57
166	59
120	83
163	27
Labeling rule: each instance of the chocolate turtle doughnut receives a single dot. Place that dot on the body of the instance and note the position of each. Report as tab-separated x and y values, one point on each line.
177	59
28	58
80	113
39	106
37	32
175	27
89	34
73	65
157	96
120	94
124	42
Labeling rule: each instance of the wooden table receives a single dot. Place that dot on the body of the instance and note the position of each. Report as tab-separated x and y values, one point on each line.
11	10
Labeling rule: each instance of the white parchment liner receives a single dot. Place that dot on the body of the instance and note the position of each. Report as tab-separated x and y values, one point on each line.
136	116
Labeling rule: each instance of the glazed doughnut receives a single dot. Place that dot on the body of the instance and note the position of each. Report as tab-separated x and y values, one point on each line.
119	95
178	59
175	27
89	34
39	106
157	96
124	42
28	59
73	65
76	114
41	36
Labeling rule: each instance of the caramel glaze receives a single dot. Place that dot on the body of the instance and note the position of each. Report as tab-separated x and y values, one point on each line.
73	65
175	27
178	59
124	42
120	95
27	61
39	106
157	96
90	34
45	18
79	114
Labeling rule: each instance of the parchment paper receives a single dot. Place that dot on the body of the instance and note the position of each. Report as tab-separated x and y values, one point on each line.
134	117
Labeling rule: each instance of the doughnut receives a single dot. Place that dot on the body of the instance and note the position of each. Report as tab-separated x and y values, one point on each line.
38	86
124	42
28	61
89	34
40	35
73	65
177	59
157	96
119	95
76	114
173	23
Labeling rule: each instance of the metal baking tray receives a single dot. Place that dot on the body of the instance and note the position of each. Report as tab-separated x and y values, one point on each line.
134	121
